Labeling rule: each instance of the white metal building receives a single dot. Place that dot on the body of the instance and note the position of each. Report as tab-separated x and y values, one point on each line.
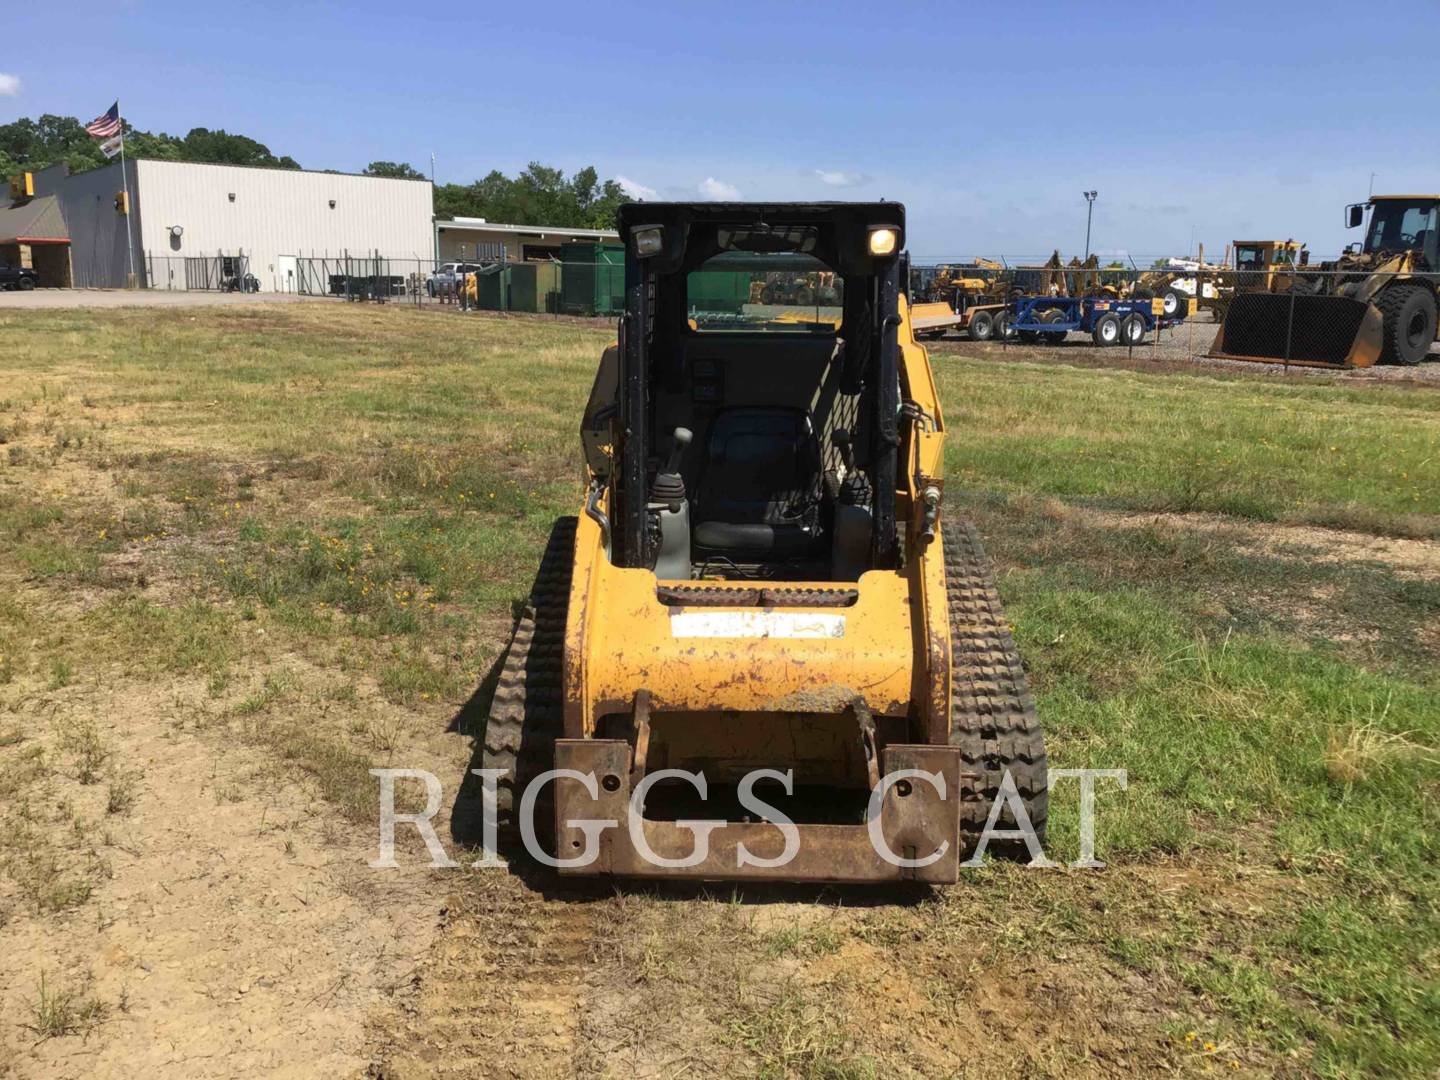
183	217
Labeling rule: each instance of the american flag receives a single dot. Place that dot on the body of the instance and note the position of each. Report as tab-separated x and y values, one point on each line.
107	126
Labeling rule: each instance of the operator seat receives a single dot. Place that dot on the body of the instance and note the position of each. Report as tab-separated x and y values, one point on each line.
760	484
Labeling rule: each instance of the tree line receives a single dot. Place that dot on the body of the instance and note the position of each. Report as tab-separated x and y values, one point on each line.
538	195
31	145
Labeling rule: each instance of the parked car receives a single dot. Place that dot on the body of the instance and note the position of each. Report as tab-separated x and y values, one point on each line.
17	277
450	275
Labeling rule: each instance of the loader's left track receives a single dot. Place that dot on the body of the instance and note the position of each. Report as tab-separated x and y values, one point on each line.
525	713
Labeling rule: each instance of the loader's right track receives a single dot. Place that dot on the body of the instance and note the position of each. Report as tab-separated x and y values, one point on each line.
992	715
525	713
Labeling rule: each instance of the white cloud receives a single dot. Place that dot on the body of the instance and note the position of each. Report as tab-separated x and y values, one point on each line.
718	190
636	190
9	85
835	178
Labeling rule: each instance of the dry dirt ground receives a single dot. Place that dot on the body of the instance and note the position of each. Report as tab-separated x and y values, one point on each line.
186	889
52	299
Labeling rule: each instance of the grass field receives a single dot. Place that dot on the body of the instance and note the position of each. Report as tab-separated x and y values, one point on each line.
289	541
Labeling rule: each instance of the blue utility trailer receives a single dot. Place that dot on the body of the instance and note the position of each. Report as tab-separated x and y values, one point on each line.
1107	321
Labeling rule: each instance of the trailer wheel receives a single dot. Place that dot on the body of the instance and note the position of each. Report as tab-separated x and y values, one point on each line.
1409	326
1132	330
1001	327
1173	301
982	326
1107	330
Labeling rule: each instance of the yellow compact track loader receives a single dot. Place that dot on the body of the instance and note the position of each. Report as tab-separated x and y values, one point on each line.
761	597
1375	304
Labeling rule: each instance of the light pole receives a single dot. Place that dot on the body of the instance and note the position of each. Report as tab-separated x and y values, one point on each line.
1089	212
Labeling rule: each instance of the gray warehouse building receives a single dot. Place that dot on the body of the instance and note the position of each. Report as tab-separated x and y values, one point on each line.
191	225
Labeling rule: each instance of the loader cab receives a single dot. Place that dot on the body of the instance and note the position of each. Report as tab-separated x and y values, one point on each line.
1267	265
752	410
1400	223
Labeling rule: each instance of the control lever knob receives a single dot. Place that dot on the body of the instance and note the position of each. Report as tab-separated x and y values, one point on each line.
680	439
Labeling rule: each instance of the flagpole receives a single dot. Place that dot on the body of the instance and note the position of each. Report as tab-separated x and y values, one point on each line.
125	186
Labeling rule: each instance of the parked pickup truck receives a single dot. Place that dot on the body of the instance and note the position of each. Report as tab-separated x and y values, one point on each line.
450	275
17	277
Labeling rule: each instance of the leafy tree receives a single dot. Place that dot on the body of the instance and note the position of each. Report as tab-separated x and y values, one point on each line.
27	144
221	148
539	195
395	170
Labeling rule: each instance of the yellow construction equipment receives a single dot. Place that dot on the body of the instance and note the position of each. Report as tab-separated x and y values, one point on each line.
1375	304
761	599
971	297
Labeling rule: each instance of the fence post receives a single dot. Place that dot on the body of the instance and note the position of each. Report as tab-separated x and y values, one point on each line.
1289	329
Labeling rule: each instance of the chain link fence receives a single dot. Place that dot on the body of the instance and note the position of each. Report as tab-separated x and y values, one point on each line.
1264	307
1265	304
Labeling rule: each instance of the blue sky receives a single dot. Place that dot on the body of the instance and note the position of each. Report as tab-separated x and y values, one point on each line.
1210	121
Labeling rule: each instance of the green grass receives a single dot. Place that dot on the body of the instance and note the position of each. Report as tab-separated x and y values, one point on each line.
1328	454
315	510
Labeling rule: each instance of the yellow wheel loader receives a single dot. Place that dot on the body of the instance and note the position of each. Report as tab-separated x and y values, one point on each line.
1375	304
760	650
1257	266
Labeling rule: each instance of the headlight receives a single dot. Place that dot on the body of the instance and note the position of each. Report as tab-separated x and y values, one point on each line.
883	241
649	239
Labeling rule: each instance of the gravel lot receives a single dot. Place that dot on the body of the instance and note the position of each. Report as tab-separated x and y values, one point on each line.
1180	348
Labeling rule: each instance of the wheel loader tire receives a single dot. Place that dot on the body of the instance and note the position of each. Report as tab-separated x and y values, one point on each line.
992	715
1409	314
982	325
1107	330
525	713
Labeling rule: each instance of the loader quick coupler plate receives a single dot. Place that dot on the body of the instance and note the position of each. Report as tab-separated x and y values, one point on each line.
911	830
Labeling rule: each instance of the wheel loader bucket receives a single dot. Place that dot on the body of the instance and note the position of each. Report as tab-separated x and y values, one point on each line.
1308	331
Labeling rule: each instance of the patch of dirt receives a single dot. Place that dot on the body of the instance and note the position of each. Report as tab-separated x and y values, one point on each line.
1416	558
237	928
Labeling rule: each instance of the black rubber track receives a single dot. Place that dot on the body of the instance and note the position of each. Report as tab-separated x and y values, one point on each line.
526	711
992	715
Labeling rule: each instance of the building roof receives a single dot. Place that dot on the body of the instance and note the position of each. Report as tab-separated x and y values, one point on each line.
481	225
32	219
